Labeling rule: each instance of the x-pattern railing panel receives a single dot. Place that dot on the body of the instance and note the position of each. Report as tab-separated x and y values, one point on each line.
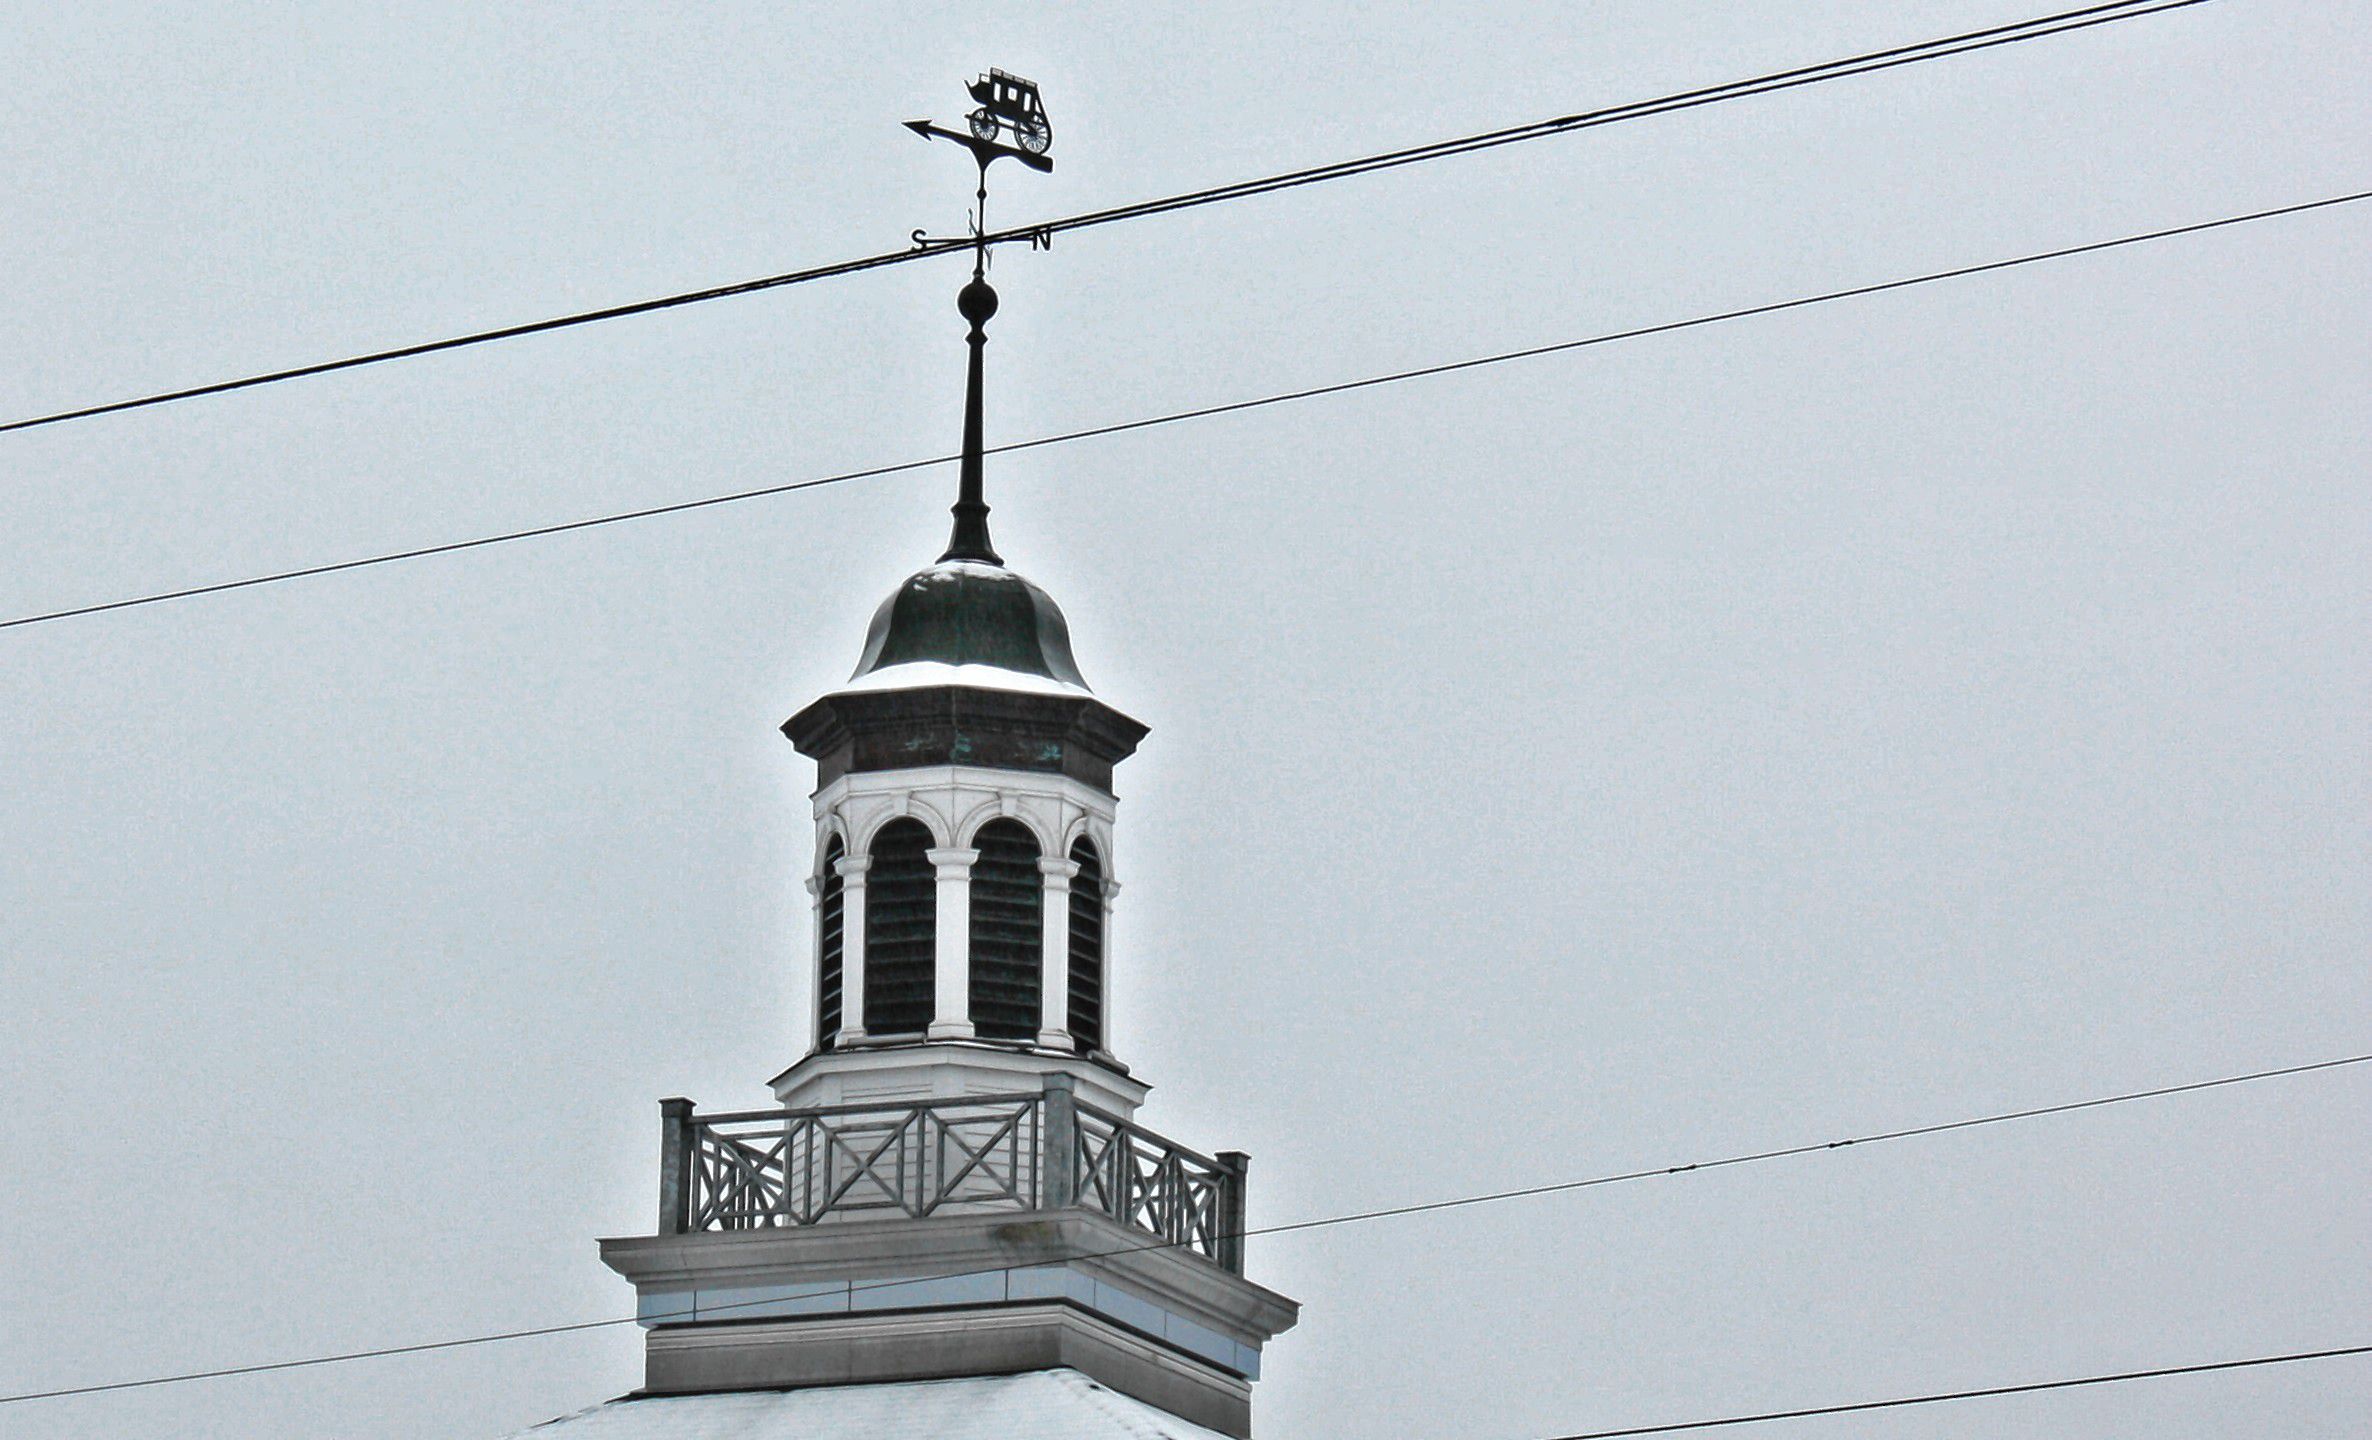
796	1168
1141	1179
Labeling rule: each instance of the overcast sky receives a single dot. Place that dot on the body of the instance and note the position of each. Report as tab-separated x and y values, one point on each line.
1886	712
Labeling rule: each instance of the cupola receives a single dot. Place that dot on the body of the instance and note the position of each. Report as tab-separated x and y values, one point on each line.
964	878
954	1184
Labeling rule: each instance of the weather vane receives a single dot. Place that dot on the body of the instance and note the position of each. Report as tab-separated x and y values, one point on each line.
1008	107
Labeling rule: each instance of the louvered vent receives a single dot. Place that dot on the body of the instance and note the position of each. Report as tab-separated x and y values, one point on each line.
901	931
1087	949
829	909
1008	922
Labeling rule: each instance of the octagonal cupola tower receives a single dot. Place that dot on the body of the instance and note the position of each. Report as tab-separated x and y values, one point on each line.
964	878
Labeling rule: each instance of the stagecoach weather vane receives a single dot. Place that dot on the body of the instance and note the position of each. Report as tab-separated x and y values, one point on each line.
1008	107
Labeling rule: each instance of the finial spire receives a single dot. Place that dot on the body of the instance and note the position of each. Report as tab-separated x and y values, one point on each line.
977	302
1008	103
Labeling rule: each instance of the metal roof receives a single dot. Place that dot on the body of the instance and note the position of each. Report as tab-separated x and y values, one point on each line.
976	616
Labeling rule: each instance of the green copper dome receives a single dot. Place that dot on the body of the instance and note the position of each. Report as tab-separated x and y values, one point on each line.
969	613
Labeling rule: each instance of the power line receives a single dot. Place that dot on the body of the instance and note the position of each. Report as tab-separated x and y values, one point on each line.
1382	1213
2027	1388
2040	27
1197	413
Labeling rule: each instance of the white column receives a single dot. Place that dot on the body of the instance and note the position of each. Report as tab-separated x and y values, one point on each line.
815	951
1054	969
1111	955
852	947
951	1014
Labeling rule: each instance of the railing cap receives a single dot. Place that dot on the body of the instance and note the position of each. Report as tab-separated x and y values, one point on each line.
1151	1137
878	1107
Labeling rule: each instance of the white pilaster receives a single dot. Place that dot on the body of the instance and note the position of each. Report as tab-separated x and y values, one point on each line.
1054	969
815	931
852	947
1111	968
951	1015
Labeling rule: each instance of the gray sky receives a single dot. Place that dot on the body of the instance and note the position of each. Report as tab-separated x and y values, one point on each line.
1877	714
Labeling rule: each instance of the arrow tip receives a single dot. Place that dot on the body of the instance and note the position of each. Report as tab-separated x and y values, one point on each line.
920	127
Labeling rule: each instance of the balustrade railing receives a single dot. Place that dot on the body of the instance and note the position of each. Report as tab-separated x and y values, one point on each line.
1157	1185
765	1169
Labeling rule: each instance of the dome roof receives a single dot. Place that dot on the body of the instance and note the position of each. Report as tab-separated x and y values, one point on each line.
964	622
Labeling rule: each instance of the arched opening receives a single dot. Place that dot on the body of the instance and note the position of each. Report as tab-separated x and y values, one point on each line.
828	920
1008	932
1087	948
901	930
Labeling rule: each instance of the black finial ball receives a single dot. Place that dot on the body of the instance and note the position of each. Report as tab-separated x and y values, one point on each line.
976	303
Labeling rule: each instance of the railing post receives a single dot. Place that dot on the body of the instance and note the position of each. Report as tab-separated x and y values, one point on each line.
675	1166
1233	1164
1058	1144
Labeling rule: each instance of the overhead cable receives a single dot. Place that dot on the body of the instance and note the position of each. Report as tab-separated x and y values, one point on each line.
1942	48
1197	413
1753	1157
1943	1397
